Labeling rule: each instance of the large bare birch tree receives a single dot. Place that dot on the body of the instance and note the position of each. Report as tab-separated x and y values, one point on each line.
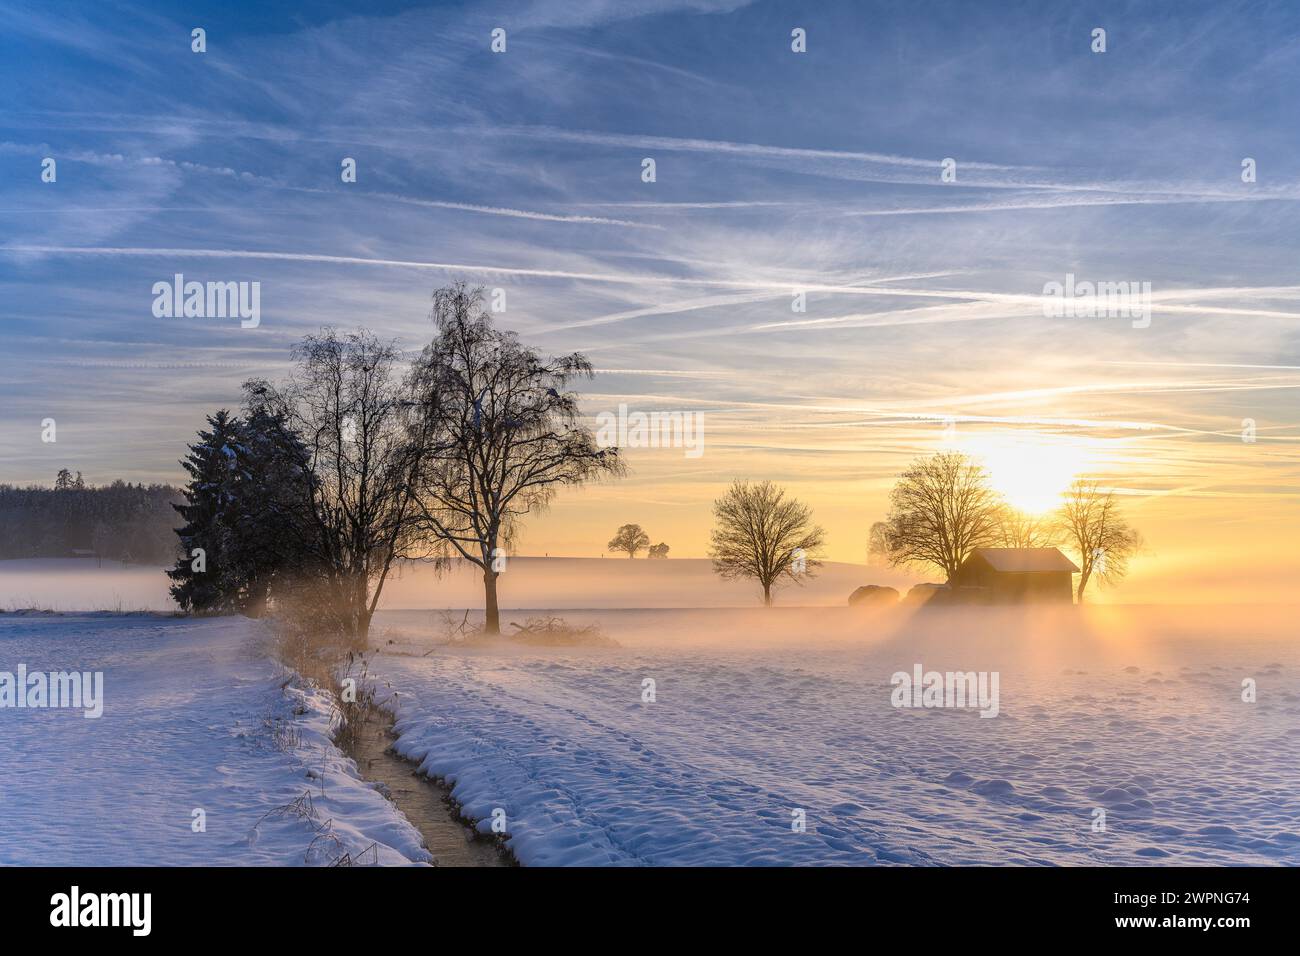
506	431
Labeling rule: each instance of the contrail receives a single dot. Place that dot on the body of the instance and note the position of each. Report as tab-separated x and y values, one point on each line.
676	144
486	210
1005	298
1270	368
362	261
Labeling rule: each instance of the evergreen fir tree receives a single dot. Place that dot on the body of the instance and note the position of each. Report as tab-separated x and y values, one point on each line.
198	578
247	507
269	518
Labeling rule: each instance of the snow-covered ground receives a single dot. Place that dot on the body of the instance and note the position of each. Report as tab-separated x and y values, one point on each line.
195	717
1137	712
759	718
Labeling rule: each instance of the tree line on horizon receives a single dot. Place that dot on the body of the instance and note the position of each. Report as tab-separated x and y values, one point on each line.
130	523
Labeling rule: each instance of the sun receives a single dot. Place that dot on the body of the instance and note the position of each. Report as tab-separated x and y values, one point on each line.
1030	471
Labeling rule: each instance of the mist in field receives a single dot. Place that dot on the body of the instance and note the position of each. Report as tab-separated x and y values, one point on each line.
1038	639
527	582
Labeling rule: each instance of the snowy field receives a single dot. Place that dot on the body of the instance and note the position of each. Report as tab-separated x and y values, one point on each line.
756	715
194	717
1137	712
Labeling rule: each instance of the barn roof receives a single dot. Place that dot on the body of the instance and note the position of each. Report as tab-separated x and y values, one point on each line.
1017	560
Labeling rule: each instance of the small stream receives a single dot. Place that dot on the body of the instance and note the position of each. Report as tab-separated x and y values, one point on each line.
424	802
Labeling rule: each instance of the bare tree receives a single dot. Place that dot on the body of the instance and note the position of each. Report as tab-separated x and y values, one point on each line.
506	431
1100	534
763	535
1021	529
941	509
879	545
629	538
658	551
344	408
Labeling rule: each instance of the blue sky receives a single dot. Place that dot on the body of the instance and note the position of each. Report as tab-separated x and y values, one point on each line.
776	171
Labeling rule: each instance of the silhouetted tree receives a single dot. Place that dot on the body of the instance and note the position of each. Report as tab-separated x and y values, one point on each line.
658	551
1097	530
344	408
941	509
211	464
243	511
878	543
1020	529
504	434
761	534
629	538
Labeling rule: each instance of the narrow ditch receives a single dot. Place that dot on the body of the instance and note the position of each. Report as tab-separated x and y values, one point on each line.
427	803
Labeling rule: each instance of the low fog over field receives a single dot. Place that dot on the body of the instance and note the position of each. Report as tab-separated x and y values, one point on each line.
87	585
72	584
622	583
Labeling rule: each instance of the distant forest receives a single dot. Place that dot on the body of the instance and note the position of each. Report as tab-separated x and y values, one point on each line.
117	522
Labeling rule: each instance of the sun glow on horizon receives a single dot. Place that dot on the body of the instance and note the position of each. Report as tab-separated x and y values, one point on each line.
1030	472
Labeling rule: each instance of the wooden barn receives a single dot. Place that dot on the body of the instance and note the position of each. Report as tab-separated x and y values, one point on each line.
1016	576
